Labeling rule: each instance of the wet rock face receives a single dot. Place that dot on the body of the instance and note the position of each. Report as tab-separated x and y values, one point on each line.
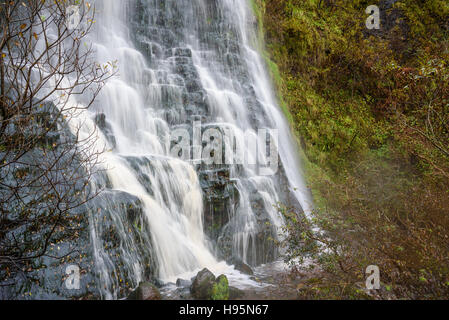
113	251
106	129
159	35
48	275
181	40
45	274
222	222
220	196
161	32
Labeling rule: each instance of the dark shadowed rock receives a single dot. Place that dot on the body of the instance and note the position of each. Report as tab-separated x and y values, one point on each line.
203	284
105	127
243	267
235	293
145	291
206	287
183	283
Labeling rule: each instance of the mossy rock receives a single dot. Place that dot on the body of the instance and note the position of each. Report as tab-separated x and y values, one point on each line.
206	287
203	285
220	289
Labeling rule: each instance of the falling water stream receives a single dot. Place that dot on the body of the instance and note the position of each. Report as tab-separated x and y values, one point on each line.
182	62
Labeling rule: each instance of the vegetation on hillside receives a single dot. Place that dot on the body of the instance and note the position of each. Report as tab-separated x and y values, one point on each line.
371	112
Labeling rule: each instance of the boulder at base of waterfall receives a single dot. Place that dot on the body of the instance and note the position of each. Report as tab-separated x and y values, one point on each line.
145	291
243	267
206	287
202	285
220	289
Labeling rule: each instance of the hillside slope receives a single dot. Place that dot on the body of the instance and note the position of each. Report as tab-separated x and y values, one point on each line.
370	108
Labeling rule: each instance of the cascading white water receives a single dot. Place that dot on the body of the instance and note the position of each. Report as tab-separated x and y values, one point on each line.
181	59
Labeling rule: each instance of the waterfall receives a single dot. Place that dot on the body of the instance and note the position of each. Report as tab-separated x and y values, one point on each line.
183	63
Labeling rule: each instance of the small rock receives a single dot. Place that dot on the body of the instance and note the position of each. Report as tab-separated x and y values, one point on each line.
243	267
145	291
100	120
183	283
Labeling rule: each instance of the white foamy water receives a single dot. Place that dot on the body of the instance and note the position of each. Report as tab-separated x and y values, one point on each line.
178	59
